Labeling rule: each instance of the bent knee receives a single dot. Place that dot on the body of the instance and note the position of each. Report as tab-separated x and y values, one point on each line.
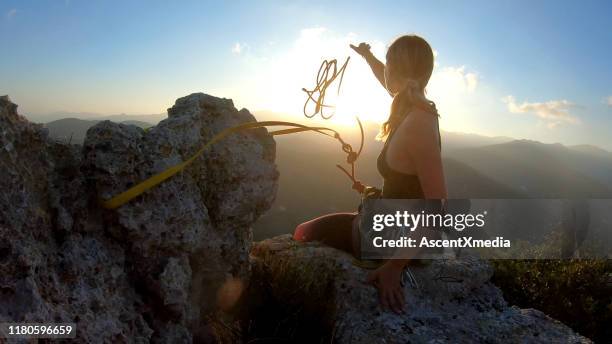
301	232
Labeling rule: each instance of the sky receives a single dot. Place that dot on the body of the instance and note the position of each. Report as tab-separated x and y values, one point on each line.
538	70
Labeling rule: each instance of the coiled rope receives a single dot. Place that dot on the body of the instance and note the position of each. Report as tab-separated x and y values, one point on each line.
324	80
327	74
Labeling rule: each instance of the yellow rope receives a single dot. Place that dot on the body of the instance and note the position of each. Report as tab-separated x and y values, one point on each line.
156	179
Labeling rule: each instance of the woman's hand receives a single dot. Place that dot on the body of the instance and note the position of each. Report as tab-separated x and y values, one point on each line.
362	49
378	68
387	279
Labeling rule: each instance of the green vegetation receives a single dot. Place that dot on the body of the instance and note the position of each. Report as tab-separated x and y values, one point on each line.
288	297
576	292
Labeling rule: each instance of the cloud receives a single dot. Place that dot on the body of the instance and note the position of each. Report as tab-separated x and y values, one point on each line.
239	48
552	112
609	101
435	54
454	80
11	13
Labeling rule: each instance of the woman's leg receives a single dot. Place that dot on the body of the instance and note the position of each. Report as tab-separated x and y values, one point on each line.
334	230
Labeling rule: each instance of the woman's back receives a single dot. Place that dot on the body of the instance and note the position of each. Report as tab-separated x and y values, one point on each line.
398	184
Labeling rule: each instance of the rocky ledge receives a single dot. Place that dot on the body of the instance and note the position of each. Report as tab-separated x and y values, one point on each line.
453	301
156	269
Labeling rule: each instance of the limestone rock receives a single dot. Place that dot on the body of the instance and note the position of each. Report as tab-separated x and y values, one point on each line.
51	269
452	301
147	271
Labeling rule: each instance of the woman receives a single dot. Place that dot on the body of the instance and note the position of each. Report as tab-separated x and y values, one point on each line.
410	161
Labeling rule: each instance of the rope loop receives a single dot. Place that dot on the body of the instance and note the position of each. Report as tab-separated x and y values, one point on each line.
351	157
324	80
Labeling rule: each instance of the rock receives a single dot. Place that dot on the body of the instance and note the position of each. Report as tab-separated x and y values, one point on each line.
172	265
47	272
153	268
453	301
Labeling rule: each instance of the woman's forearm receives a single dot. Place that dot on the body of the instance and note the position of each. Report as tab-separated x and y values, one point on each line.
378	68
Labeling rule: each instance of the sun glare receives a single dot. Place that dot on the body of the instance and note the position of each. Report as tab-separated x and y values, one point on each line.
286	74
278	86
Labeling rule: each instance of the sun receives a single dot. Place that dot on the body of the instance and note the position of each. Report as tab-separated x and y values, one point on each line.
360	96
280	80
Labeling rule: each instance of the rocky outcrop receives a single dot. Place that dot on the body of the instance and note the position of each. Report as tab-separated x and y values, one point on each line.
452	301
166	266
154	269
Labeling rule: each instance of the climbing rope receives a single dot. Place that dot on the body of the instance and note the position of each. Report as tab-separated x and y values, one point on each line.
156	179
327	74
324	80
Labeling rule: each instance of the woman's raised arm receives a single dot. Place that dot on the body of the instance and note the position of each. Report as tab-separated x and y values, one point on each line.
378	68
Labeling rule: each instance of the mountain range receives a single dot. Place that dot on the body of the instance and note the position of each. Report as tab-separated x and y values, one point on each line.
74	129
475	167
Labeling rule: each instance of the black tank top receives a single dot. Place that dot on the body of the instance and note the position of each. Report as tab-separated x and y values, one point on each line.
397	184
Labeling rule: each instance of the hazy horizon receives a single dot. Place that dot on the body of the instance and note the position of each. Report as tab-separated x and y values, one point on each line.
258	114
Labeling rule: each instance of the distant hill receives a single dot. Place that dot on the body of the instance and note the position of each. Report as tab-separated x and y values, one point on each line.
593	161
592	150
149	119
542	170
69	129
74	129
455	140
464	181
119	118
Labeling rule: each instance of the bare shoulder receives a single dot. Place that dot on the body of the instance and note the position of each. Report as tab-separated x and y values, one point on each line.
419	122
